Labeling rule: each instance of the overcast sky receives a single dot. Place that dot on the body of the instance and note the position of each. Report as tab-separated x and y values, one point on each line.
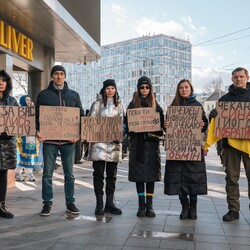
219	30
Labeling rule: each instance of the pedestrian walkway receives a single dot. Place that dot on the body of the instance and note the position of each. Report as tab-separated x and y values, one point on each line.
28	230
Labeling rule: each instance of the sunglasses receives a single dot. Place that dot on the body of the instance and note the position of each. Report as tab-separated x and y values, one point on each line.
144	87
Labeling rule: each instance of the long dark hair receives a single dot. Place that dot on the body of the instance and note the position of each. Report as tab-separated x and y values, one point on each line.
178	98
150	99
105	98
8	89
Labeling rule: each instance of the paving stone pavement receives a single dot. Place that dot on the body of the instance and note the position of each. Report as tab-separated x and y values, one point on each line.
28	230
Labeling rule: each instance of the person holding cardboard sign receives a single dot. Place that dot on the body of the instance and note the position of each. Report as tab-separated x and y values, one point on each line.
144	149
106	154
58	94
239	91
186	177
7	144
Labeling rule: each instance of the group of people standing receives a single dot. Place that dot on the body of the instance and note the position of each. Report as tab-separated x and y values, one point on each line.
187	179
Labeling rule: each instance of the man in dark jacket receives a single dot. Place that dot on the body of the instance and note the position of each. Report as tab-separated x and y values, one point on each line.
239	91
58	94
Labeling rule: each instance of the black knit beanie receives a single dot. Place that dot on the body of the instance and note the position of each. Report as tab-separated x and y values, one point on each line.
57	68
144	80
109	82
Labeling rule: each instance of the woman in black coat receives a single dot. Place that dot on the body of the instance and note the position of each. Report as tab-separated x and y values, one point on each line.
144	151
185	178
7	144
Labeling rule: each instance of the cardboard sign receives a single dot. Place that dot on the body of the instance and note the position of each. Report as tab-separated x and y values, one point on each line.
59	122
233	120
183	134
143	120
101	129
17	120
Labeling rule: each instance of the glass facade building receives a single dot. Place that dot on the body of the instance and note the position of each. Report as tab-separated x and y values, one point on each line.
164	59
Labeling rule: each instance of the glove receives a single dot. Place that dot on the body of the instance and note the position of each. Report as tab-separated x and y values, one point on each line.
213	114
116	142
85	142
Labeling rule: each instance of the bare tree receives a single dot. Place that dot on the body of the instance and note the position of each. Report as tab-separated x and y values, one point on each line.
20	84
214	85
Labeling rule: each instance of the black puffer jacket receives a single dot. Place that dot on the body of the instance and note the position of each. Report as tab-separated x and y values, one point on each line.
53	97
187	177
235	95
144	154
7	143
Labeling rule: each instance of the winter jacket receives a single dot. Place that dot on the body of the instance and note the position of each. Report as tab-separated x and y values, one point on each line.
235	95
103	151
144	152
54	97
187	177
7	143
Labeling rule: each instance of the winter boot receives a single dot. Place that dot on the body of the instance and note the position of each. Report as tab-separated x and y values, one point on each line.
192	213
4	212
142	206
110	206
149	207
99	205
185	209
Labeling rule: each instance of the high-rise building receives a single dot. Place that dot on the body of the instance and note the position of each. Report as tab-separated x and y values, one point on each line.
165	59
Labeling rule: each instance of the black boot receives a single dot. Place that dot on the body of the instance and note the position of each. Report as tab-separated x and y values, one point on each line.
185	209
99	205
110	206
149	207
4	212
192	213
142	206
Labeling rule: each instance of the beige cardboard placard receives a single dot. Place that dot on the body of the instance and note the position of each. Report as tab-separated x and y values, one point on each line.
59	122
233	120
143	120
101	129
17	120
183	134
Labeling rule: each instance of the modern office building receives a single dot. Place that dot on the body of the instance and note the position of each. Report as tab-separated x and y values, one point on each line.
165	59
34	34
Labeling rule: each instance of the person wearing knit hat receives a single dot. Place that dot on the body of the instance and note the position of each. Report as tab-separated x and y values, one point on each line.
58	94
144	150
106	155
58	68
144	80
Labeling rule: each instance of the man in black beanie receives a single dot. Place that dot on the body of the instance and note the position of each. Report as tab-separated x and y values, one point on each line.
58	94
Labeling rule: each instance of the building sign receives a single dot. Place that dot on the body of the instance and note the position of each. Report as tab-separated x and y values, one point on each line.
15	41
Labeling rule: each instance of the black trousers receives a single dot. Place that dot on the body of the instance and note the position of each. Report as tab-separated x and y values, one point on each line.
98	174
3	184
78	151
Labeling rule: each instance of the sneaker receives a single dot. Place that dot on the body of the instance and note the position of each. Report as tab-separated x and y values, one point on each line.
71	208
231	215
19	177
4	212
46	210
31	177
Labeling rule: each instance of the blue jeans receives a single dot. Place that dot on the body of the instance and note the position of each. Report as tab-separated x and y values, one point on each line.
50	153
